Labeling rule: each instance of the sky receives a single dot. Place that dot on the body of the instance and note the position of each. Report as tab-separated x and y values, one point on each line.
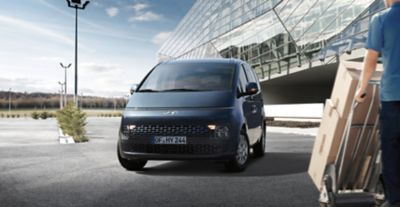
118	43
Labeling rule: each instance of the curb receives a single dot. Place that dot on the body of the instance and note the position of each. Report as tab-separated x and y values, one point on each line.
64	139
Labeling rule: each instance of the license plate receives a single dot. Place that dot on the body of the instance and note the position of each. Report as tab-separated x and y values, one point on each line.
169	140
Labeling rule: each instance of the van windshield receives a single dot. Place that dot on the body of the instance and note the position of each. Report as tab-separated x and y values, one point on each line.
178	77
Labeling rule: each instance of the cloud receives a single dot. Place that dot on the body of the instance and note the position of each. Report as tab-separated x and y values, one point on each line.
95	28
32	27
17	81
142	14
138	7
47	58
112	11
72	15
101	68
146	17
160	38
97	4
22	84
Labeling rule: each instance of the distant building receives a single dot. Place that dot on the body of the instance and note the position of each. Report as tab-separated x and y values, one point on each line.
293	45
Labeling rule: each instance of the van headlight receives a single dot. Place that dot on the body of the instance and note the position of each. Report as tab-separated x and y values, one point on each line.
221	132
126	131
124	136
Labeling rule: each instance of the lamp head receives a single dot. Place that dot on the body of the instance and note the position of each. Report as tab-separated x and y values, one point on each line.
77	4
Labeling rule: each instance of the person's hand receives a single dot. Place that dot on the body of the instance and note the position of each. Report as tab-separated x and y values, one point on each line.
360	95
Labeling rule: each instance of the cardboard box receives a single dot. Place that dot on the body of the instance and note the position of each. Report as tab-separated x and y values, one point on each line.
334	120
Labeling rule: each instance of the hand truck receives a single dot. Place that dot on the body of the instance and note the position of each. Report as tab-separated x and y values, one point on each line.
353	171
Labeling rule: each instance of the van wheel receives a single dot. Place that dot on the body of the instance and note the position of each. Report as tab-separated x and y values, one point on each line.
259	147
131	165
239	162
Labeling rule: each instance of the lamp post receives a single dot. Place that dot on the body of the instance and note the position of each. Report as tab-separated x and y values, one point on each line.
61	92
65	82
115	103
9	100
61	101
76	4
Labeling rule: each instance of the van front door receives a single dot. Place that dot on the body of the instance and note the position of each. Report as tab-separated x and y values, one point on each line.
250	109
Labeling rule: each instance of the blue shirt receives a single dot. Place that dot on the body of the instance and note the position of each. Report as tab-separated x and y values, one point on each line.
384	37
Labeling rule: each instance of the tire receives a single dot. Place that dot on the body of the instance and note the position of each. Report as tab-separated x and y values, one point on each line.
259	147
131	165
239	161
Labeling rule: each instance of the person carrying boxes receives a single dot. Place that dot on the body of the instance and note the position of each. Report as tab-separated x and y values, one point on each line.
384	38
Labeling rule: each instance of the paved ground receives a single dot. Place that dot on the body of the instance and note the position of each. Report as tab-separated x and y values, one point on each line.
49	174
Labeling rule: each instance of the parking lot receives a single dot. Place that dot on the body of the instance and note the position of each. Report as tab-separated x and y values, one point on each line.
37	171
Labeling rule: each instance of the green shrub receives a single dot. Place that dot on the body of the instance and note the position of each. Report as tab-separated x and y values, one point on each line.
72	121
25	115
35	115
2	115
18	115
44	115
12	115
8	115
50	115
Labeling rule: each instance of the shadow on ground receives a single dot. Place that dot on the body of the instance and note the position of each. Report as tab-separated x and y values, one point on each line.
272	164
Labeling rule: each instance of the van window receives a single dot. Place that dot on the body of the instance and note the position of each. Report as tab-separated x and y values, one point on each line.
242	80
180	77
250	74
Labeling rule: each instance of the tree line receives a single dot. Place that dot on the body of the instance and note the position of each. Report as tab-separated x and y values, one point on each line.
51	100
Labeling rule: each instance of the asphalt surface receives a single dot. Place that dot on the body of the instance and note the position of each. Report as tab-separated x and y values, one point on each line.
37	171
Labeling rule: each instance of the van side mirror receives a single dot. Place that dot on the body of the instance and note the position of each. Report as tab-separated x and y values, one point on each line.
251	88
133	88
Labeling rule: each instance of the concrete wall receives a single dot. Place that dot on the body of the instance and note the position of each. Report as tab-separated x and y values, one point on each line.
296	94
312	85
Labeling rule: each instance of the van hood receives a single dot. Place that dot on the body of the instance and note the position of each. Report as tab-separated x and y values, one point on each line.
181	99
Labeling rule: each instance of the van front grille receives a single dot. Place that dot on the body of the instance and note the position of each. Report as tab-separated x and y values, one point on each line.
182	130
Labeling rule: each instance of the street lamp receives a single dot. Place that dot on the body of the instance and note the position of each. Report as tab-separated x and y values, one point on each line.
65	82
76	4
115	103
61	92
9	100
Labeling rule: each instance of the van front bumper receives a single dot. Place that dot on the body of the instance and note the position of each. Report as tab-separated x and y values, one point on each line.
205	150
155	156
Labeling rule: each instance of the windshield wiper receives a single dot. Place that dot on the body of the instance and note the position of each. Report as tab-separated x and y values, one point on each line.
147	90
180	89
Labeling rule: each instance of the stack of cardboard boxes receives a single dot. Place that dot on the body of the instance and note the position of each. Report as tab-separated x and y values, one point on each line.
360	152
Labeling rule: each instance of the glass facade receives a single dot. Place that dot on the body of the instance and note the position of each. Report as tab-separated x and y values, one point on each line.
273	36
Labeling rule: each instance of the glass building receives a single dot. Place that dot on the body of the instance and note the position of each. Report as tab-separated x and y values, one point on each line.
277	37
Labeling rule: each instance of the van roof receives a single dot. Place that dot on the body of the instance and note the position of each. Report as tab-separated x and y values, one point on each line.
205	60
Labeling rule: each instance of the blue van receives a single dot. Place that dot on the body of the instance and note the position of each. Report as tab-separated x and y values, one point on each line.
194	109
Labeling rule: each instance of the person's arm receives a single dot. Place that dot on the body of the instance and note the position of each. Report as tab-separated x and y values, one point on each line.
369	67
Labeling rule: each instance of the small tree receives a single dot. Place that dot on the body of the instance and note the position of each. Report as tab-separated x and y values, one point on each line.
72	121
